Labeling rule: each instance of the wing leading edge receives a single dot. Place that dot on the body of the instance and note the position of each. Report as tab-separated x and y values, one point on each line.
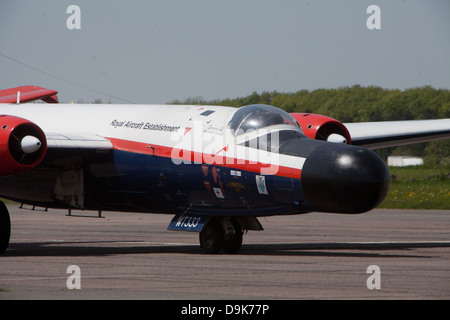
375	135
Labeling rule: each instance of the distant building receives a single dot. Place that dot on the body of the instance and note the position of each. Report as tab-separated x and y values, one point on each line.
404	161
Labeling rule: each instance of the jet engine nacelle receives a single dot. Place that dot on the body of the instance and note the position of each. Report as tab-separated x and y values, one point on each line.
22	145
316	126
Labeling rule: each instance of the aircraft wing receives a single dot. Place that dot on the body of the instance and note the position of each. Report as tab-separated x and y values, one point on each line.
76	149
27	94
78	141
375	135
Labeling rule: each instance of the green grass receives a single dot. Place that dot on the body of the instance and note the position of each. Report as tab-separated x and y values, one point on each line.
419	187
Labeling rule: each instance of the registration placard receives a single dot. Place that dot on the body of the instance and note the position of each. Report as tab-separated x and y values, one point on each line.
186	222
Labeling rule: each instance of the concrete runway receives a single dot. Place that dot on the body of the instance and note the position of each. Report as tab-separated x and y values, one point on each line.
313	256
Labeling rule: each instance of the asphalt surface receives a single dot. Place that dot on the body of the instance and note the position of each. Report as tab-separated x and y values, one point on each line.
312	256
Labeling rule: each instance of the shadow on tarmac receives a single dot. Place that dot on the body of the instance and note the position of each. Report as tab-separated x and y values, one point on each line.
106	248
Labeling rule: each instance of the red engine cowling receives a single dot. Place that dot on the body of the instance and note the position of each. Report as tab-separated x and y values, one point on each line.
316	126
22	145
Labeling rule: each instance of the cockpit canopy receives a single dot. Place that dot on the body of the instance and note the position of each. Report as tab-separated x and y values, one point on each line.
257	116
266	128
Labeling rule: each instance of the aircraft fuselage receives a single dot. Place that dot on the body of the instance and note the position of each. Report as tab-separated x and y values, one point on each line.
171	158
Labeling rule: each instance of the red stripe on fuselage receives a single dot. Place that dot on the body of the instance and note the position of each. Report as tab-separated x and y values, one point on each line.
188	157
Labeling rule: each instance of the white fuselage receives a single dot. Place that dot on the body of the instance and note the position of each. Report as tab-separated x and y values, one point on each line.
178	129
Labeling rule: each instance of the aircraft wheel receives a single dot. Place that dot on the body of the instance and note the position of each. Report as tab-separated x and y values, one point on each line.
212	236
234	244
5	227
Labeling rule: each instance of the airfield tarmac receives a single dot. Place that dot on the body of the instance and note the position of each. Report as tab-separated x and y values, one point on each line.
312	256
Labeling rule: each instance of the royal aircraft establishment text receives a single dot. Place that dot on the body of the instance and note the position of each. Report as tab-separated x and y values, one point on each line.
143	126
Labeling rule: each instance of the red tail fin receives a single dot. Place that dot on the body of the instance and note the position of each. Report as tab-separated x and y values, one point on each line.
27	94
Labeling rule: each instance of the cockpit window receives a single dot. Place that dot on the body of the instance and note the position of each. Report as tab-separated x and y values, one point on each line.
274	141
257	116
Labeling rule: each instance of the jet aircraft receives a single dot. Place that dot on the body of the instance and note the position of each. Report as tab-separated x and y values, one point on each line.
216	169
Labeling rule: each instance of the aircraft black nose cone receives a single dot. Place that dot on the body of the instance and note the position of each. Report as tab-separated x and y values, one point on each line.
344	179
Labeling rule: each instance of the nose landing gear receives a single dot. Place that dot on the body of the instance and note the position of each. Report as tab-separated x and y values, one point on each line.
221	233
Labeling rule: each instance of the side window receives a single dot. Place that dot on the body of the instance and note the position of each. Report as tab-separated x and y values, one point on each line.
272	141
263	142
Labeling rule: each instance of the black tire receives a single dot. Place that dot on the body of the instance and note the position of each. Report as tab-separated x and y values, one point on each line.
233	245
5	227
212	236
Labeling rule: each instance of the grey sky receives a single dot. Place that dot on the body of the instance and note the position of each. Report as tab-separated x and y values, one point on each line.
160	50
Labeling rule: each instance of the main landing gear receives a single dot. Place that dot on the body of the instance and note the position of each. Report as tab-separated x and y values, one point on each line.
221	233
5	227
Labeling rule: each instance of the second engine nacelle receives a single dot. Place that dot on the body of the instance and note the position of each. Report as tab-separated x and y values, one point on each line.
22	145
319	127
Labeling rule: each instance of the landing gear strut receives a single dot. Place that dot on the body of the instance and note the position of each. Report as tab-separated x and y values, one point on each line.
5	227
220	234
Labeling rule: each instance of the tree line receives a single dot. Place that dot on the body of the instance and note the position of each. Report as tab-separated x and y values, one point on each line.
361	104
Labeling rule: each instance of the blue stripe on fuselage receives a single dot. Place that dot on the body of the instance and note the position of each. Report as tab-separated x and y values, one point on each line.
203	188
